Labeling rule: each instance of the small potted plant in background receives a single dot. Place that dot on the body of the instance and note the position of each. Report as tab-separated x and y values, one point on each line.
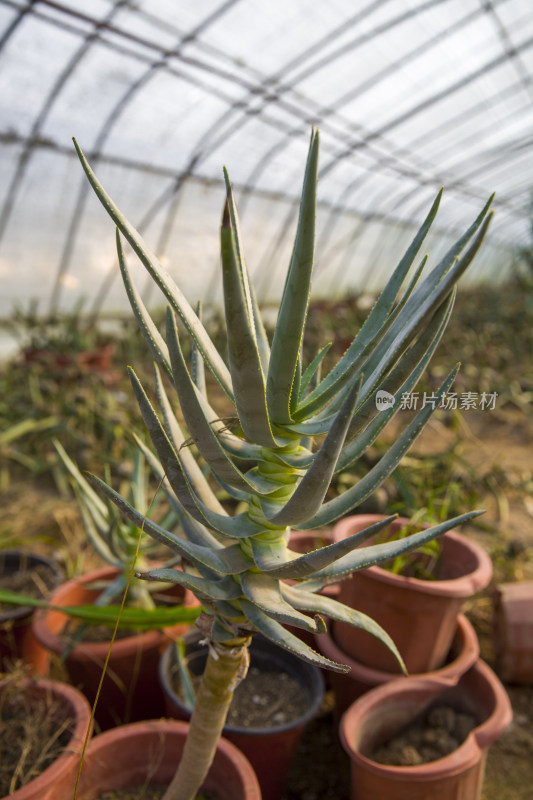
130	690
240	566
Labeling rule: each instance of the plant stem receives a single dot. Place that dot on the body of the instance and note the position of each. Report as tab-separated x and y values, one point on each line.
226	666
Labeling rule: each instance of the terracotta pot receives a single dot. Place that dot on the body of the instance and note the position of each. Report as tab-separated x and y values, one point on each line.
76	708
385	711
130	690
420	615
513	631
463	653
132	754
16	638
269	750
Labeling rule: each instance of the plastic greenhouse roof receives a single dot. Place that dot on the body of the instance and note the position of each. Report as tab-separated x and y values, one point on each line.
408	95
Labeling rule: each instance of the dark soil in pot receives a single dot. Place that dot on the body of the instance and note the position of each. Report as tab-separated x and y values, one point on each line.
263	700
436	734
144	793
35	576
34	731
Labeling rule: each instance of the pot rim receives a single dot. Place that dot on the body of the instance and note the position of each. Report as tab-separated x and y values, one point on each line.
462	586
19	612
88	651
314	682
40	786
467	646
429	687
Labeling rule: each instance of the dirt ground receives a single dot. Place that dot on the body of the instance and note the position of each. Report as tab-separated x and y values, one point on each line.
502	439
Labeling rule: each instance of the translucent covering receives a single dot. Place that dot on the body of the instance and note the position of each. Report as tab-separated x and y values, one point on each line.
408	96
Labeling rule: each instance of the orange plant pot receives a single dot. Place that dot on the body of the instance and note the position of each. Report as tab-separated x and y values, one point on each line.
383	712
150	751
513	631
130	689
77	709
420	615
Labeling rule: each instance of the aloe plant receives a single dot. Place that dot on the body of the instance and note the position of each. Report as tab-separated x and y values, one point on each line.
117	540
295	431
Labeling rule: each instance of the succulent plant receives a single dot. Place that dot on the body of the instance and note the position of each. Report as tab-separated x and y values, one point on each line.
294	430
115	539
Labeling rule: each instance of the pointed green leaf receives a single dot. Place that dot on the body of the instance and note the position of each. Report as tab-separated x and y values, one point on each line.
376	554
321	604
197	423
264	592
161	277
311	490
245	364
130	618
225	561
219	589
417	310
277	633
296	567
289	329
146	324
312	369
418	356
194	474
356	494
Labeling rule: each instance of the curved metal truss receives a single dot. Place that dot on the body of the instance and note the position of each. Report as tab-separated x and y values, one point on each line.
408	96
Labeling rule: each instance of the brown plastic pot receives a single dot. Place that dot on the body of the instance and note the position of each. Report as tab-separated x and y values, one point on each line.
513	631
130	690
271	750
75	708
347	687
16	637
385	711
420	615
150	751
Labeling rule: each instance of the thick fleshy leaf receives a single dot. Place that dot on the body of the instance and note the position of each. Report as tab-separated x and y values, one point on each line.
161	277
420	307
378	553
418	357
312	369
220	589
277	633
289	329
148	328
198	425
311	490
224	561
261	338
320	604
374	322
264	592
414	315
197	362
356	494
247	376
297	567
177	439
